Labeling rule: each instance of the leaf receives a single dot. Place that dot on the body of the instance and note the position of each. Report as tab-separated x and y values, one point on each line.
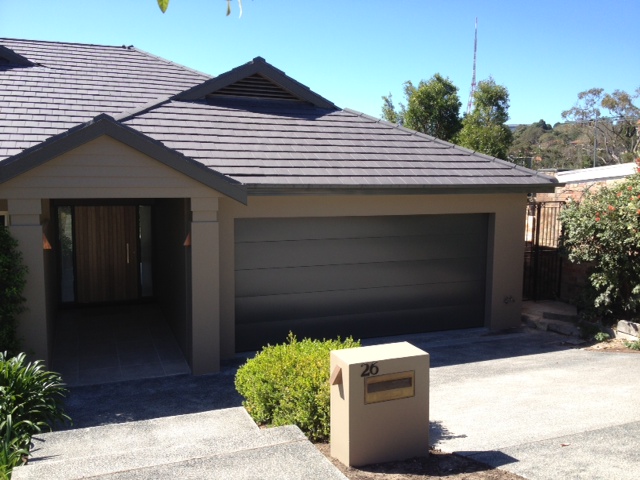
229	7
163	4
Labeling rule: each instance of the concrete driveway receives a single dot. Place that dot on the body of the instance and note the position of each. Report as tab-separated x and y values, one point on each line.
529	402
532	404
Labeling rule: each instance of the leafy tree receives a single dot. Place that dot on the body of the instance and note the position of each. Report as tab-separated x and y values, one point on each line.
433	107
389	112
610	121
604	230
484	129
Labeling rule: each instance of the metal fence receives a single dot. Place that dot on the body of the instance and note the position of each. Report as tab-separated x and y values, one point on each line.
542	260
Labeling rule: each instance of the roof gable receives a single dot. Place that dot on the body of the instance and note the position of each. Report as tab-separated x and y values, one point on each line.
106	125
256	79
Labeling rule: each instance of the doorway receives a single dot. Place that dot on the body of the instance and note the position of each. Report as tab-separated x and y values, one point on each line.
104	253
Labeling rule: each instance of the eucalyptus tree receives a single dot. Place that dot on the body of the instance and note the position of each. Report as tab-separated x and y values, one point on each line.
612	124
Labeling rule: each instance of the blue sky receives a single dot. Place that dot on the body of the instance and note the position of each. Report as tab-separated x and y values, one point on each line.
354	51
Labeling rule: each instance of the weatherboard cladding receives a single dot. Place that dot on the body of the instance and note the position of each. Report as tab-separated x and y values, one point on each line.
256	141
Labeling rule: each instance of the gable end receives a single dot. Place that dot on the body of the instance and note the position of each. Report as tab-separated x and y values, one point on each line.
254	86
256	79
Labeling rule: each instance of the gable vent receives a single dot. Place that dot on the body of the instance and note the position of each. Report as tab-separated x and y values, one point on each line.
254	86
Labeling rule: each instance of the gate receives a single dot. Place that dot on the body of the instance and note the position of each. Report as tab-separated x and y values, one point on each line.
542	260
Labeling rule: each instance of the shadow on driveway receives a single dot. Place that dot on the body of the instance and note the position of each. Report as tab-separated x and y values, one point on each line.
134	400
479	345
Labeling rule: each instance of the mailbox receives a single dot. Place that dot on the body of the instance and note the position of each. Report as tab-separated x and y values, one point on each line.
379	403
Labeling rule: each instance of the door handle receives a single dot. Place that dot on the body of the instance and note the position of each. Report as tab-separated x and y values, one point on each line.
127	254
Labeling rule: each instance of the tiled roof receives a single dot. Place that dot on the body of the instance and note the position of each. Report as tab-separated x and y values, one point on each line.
274	142
72	83
287	144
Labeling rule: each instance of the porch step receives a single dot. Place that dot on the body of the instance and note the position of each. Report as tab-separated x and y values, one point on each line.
552	316
219	444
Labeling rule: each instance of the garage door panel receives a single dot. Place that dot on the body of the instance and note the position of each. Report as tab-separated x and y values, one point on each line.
357	276
278	229
364	276
252	336
271	308
298	253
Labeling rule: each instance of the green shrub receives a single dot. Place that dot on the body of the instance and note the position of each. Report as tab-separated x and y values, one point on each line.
635	345
288	384
14	446
604	230
601	337
31	399
12	281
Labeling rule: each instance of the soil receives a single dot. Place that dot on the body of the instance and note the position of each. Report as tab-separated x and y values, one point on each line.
616	345
437	465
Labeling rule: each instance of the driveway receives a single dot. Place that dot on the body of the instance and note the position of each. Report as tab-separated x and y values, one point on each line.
529	402
549	410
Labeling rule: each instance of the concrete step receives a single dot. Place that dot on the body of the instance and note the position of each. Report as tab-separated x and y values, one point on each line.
552	316
174	447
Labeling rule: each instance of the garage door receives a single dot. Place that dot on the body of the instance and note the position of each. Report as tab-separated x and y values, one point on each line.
359	276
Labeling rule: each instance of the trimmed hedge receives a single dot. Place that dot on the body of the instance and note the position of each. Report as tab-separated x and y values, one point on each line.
288	384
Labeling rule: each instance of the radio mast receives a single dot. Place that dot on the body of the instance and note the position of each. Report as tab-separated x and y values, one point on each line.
473	78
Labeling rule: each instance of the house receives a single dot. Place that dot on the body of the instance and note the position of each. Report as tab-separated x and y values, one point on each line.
573	184
554	274
245	204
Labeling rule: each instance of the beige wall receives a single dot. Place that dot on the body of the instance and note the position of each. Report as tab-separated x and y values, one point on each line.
26	228
103	168
506	246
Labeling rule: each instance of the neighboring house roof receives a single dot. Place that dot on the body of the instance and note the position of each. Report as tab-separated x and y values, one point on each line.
597	174
254	124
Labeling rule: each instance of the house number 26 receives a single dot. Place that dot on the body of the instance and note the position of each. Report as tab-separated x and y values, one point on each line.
369	369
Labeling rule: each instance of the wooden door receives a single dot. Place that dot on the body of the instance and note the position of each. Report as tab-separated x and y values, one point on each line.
106	253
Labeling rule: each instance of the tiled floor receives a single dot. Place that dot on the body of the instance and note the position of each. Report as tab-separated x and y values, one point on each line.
108	344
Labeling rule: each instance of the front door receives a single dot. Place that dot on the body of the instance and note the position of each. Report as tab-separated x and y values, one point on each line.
106	253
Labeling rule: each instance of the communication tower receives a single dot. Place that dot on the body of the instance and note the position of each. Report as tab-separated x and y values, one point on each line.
473	78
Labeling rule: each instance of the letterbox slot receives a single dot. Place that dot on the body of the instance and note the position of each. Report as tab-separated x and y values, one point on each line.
392	386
